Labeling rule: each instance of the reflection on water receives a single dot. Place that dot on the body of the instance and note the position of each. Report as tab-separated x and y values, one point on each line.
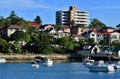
57	71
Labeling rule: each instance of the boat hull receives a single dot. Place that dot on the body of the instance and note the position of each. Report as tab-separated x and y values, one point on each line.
106	68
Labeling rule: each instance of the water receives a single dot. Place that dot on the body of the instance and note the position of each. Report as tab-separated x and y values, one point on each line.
57	71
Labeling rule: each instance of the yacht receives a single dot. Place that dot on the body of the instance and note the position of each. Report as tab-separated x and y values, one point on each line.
88	61
101	67
34	64
2	60
48	62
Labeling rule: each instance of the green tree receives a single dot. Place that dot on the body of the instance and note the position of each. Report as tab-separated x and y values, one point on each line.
72	23
38	20
103	42
95	23
66	43
32	30
91	41
20	36
13	17
39	43
4	22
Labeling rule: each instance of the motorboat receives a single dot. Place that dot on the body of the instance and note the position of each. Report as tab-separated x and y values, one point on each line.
48	62
88	61
2	60
34	64
101	67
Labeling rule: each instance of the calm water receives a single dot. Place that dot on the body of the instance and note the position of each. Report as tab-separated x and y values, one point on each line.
58	71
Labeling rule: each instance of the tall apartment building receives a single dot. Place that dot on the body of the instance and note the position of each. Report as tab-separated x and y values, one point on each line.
64	17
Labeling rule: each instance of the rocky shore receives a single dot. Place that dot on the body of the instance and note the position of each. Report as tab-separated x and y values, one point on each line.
29	57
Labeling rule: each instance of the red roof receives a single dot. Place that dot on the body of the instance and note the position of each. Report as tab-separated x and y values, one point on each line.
32	23
97	32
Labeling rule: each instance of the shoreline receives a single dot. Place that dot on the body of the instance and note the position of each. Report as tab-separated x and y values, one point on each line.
30	57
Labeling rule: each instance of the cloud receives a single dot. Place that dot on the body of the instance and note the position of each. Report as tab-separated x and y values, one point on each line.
105	7
24	4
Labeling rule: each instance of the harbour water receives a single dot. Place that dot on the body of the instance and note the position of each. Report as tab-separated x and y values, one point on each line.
57	71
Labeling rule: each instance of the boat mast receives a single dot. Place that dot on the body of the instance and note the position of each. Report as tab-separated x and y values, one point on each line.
109	53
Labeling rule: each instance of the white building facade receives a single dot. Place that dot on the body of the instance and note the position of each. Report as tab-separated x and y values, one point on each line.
64	17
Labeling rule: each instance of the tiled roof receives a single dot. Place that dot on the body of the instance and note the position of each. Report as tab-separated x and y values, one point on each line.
66	27
32	23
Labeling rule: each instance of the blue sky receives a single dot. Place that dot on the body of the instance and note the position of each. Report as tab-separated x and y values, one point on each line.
107	11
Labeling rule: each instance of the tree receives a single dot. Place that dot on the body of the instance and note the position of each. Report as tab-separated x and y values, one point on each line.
66	43
103	42
91	41
39	43
72	23
95	23
13	18
32	30
118	26
20	36
38	20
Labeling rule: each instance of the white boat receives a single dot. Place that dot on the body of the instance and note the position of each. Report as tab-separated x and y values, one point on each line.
48	62
34	64
88	61
2	60
101	67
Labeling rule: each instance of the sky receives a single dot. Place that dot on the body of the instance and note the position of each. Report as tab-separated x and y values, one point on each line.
107	11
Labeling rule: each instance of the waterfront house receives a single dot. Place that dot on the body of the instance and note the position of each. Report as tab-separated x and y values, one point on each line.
97	36
115	37
66	29
89	49
116	52
107	29
46	27
12	28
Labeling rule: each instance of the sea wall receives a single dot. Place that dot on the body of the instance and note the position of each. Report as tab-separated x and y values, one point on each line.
29	57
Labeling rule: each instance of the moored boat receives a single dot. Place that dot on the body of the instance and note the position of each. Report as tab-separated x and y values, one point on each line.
48	62
34	64
2	60
101	67
88	61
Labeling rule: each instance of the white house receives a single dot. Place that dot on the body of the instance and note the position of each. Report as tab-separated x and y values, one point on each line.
115	36
12	28
97	36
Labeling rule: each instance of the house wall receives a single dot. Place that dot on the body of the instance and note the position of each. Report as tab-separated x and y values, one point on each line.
67	30
48	27
93	35
11	31
115	36
119	53
95	50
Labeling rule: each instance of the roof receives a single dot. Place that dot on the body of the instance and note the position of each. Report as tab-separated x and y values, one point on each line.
32	23
88	46
15	27
43	26
108	28
97	32
66	27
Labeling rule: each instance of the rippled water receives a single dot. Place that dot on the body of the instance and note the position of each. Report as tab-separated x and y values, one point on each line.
57	71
